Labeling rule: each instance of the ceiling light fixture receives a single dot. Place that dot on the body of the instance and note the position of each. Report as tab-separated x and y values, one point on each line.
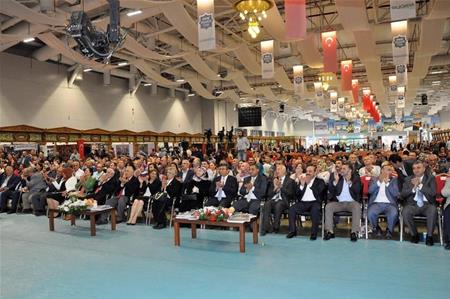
253	11
28	40
180	80
87	70
191	95
438	72
134	13
148	84
123	63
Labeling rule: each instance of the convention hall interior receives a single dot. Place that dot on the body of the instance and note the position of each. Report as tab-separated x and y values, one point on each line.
224	149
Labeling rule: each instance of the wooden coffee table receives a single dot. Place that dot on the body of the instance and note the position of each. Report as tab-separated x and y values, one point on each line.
91	214
253	222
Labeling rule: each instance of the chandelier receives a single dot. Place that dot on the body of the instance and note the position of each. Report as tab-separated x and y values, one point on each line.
326	79
253	11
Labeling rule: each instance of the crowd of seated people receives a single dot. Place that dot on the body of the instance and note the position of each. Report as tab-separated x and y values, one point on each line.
323	184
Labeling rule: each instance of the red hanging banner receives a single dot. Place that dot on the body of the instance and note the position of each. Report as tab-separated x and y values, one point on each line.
329	51
80	145
355	91
295	11
346	74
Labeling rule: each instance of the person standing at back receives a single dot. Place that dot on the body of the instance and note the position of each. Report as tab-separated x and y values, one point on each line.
242	145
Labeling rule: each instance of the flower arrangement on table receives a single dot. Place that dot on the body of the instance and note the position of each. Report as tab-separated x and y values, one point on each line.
214	214
74	205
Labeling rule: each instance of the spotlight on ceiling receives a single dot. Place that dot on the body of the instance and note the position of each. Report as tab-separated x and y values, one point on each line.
29	40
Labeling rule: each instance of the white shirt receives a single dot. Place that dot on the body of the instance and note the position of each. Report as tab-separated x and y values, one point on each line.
250	194
278	195
79	173
184	174
309	195
5	182
242	144
220	194
381	196
345	194
419	187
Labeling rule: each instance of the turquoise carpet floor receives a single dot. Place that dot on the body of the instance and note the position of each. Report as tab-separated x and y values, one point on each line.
139	262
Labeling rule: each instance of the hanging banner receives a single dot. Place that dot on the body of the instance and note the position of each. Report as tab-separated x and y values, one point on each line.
346	74
329	51
295	14
401	102
403	9
299	84
392	85
401	73
318	90
400	50
333	102
341	104
206	25
267	59
355	91
366	99
80	146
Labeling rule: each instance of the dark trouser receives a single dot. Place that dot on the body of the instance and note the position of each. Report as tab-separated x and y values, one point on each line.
428	210
39	202
159	210
7	195
213	201
277	208
390	210
447	224
120	203
187	205
313	207
242	205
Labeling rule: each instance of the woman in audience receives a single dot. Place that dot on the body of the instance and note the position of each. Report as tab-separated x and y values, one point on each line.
298	173
87	183
149	186
66	185
196	191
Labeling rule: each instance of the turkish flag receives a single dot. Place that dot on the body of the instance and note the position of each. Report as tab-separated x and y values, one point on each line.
346	74
355	91
80	145
329	51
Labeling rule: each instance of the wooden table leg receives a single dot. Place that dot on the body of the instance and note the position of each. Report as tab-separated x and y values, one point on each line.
176	233
93	228
255	231
194	230
51	220
113	219
72	219
242	237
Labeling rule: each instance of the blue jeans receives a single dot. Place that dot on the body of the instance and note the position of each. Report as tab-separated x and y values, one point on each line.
242	155
388	209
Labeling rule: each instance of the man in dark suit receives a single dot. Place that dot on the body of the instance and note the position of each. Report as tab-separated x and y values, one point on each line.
399	168
186	174
253	191
280	193
172	188
383	195
8	183
129	187
345	196
419	195
107	185
310	193
224	188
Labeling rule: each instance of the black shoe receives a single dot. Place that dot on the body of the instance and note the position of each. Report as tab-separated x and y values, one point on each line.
10	212
353	237
388	235
263	233
415	239
128	223
429	241
159	226
291	235
119	221
39	213
276	231
3	211
328	236
447	246
27	211
313	237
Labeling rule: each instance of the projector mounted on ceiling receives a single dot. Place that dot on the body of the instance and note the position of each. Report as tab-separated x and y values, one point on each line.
96	44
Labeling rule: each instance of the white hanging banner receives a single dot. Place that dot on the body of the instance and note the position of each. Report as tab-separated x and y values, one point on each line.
401	72
401	102
341	104
403	9
267	63
206	25
318	90
392	85
333	102
400	50
299	84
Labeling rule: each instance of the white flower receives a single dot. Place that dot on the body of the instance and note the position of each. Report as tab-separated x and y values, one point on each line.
66	209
